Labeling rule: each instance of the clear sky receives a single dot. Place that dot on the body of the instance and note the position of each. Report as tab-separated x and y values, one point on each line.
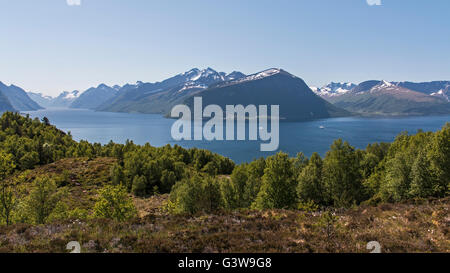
49	46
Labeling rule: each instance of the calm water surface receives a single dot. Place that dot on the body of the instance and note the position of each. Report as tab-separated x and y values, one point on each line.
306	137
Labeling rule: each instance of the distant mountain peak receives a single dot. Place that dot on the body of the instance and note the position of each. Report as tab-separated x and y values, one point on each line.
263	74
70	95
235	75
384	84
103	86
333	89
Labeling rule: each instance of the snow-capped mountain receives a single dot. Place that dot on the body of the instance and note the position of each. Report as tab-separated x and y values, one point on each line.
65	99
201	79
41	99
158	97
333	89
388	98
235	75
269	87
254	77
443	93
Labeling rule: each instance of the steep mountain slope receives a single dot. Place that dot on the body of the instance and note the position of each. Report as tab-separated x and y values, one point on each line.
19	98
159	97
333	89
94	97
271	87
384	98
5	105
41	99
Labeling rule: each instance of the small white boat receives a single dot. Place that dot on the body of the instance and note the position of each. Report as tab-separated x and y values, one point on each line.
322	127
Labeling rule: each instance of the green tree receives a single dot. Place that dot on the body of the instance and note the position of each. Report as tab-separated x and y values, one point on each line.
7	198
422	181
7	165
7	203
196	194
439	159
168	179
300	162
114	203
117	176
42	199
341	175
29	160
239	179
310	185
278	189
139	186
396	184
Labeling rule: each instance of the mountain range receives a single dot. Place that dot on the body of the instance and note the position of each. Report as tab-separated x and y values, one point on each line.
333	89
159	97
270	87
273	86
386	98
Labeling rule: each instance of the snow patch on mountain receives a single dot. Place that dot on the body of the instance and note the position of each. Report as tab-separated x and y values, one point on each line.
333	89
257	76
201	79
71	95
443	93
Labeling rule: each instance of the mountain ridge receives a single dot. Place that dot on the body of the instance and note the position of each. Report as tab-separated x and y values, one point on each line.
387	98
271	87
372	97
18	98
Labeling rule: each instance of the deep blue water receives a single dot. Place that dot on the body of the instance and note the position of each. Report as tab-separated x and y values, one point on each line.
306	137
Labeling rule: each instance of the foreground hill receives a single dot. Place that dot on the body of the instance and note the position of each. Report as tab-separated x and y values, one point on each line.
271	87
384	98
18	98
408	227
412	226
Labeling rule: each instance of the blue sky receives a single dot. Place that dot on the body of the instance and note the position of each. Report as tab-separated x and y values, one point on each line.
49	46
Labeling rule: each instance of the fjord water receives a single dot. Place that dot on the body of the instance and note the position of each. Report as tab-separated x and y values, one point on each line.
306	137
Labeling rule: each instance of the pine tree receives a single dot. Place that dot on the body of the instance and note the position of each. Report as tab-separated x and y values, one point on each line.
139	186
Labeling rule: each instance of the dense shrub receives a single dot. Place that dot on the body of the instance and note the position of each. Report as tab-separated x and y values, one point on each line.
196	194
114	203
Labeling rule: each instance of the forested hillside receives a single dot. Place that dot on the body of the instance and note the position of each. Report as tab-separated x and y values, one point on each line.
47	178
